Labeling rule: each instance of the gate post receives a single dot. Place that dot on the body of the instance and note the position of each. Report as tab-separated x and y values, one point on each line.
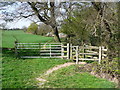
68	51
100	54
62	50
77	55
71	57
84	51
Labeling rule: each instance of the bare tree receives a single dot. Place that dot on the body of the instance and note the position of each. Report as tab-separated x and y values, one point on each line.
47	12
41	11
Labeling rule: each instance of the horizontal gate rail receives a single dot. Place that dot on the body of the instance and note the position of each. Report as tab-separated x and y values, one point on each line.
28	48
38	57
27	43
88	59
89	53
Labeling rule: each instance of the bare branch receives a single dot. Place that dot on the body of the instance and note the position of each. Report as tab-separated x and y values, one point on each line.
32	4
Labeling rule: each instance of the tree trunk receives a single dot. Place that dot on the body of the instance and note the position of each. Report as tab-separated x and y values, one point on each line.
56	35
50	21
53	22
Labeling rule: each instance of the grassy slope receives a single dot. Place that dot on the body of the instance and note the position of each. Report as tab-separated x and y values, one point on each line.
21	73
8	38
68	78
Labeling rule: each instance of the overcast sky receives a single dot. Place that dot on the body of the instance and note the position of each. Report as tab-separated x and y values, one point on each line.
17	23
26	22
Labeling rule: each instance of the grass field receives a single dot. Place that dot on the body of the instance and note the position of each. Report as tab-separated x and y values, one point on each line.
22	73
9	37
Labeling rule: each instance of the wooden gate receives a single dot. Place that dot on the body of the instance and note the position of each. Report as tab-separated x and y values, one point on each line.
41	50
82	53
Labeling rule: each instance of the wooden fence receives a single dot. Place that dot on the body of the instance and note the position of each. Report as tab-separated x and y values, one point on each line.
59	50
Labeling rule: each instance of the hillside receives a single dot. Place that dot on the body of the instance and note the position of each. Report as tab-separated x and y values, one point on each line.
9	37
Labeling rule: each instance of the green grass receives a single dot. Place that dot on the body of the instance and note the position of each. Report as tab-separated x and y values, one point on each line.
68	78
21	73
8	38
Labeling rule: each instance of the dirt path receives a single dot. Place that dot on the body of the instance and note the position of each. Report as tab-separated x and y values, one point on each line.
41	80
58	67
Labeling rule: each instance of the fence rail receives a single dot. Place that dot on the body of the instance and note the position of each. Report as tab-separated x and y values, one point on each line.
59	50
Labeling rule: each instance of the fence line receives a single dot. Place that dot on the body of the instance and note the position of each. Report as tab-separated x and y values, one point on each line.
59	50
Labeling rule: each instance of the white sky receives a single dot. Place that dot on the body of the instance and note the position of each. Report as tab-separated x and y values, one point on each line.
16	23
19	24
26	22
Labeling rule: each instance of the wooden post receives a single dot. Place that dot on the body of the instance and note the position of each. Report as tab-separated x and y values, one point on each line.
68	51
62	51
100	54
77	58
16	52
103	52
84	51
71	51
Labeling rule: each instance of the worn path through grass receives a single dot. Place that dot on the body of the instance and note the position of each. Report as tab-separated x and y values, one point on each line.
41	80
21	73
68	77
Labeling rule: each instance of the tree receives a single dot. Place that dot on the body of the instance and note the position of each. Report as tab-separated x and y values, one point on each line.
48	19
33	28
41	11
108	20
43	29
3	26
80	24
47	12
76	29
109	36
